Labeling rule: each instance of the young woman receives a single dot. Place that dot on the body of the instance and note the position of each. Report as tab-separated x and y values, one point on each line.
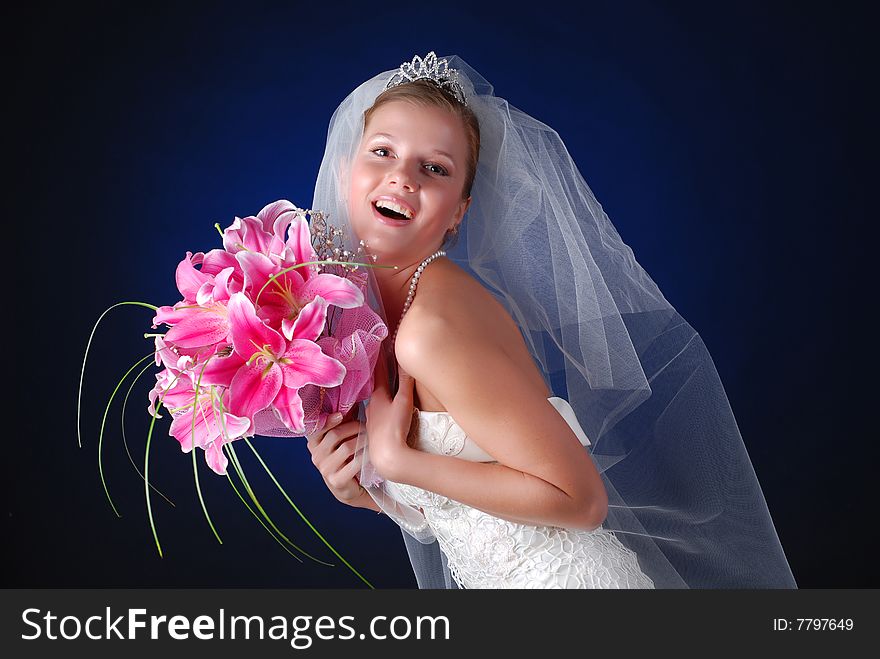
473	449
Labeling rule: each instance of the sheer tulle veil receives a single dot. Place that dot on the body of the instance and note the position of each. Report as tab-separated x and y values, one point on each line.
683	494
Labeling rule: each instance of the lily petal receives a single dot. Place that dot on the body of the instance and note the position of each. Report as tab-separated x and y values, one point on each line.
257	269
218	259
222	283
310	366
299	246
221	370
336	290
308	324
188	279
185	431
254	237
288	407
215	458
249	333
173	315
232	239
199	329
254	387
205	294
276	217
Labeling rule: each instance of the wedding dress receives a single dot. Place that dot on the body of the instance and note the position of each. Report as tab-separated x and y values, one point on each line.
682	492
484	551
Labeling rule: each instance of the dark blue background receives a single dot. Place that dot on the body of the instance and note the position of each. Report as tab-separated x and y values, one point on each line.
724	144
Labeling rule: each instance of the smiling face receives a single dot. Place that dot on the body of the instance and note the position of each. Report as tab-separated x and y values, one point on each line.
414	157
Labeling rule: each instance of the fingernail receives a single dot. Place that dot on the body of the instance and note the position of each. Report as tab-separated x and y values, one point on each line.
336	417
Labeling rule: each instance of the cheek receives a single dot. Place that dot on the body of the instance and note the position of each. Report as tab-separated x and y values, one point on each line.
361	178
449	203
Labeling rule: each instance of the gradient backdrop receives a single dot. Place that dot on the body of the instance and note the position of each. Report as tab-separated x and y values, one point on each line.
723	143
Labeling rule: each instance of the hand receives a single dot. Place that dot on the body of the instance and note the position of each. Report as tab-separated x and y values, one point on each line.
333	453
388	421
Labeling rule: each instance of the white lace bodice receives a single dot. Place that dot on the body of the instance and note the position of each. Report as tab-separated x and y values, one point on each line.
484	551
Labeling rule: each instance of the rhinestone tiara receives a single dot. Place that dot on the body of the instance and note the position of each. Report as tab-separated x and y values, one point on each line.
432	69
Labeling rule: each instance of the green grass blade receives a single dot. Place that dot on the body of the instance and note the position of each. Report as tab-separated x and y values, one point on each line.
294	506
192	437
238	468
274	277
104	423
86	356
253	512
125	440
153	418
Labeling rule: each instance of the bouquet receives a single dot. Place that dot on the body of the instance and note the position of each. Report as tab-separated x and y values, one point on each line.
271	336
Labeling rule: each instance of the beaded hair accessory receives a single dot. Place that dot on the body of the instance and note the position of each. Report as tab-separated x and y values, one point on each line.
430	68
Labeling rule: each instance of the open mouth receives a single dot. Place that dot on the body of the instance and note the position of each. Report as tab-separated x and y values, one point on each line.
390	213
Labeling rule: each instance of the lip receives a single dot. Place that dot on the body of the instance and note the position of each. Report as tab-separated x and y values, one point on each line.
396	200
387	220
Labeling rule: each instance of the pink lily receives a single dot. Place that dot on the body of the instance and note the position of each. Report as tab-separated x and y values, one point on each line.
263	234
220	287
174	383
212	428
195	326
291	299
188	278
200	318
265	369
173	390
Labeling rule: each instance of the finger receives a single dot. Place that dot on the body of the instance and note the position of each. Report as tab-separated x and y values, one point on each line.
324	445
335	460
354	466
405	386
332	421
328	442
380	377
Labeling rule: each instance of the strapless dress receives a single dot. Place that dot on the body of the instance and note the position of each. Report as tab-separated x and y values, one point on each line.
484	551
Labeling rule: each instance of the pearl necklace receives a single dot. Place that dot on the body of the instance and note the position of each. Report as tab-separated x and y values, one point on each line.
412	289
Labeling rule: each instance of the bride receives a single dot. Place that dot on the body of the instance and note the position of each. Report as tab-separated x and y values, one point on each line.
473	450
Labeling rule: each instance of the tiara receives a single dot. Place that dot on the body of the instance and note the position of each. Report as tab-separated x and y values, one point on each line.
430	68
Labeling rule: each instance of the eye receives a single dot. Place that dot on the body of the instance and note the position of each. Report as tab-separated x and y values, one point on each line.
442	169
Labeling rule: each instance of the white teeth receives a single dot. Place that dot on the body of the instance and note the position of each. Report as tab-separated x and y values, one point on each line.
385	203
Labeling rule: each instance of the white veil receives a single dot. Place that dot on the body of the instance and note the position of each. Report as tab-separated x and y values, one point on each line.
681	488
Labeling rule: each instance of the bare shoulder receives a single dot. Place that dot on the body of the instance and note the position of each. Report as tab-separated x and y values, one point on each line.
449	297
468	358
452	311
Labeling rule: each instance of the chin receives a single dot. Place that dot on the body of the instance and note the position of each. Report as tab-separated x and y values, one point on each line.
380	239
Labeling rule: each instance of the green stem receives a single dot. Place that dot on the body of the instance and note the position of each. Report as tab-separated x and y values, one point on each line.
268	530
153	418
125	439
278	485
259	507
101	433
85	357
197	407
274	277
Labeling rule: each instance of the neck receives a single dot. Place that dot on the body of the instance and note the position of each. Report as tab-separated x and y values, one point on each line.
394	286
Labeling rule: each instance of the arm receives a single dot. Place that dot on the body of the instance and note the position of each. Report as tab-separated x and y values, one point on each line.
544	475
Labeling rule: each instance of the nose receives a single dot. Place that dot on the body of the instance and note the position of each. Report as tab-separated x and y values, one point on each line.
402	175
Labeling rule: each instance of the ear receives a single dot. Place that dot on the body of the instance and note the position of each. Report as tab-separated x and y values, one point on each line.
462	209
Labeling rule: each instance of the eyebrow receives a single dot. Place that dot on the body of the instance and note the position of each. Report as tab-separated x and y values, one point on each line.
391	137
